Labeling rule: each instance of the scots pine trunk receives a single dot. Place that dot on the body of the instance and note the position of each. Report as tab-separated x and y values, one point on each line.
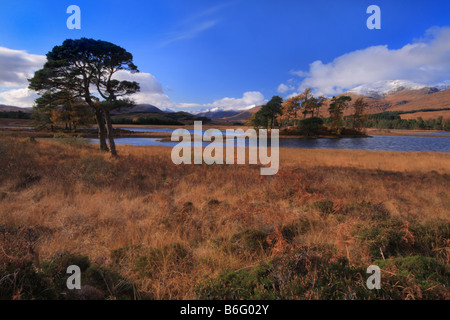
101	130
109	128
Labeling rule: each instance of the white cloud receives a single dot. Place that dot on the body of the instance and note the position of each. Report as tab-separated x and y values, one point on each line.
300	73
283	88
248	100
16	66
426	60
151	89
152	92
22	97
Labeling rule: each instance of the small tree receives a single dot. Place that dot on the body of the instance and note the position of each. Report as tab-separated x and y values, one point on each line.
306	104
43	111
258	120
315	104
359	116
271	110
336	109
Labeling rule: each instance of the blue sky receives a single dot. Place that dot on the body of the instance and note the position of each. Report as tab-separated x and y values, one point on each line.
197	55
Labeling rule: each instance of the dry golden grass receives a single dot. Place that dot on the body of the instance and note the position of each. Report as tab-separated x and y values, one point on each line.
4	122
376	160
91	204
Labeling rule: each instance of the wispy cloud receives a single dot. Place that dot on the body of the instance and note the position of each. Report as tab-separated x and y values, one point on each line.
194	25
189	33
205	13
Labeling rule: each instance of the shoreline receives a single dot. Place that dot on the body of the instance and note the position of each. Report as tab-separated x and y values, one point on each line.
124	131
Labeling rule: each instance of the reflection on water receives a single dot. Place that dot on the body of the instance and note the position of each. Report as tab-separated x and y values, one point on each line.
191	131
148	129
140	142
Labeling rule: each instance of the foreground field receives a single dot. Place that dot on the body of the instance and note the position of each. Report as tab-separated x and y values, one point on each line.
141	227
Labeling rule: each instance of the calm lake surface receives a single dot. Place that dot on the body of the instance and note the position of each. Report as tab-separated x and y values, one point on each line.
387	143
427	141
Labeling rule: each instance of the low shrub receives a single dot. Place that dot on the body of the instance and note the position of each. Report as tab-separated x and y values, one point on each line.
309	126
395	238
249	241
170	258
414	277
71	140
21	279
304	274
325	207
96	282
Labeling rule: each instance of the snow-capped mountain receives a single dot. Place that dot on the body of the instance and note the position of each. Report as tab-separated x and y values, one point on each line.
443	85
228	114
380	89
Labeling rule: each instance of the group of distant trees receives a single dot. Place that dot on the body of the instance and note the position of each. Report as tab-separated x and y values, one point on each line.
77	85
15	115
303	111
393	120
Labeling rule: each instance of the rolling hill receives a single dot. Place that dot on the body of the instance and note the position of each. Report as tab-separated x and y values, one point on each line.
218	114
139	108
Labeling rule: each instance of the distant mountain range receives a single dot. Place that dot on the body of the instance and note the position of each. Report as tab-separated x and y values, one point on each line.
139	108
230	115
218	114
380	89
401	95
5	108
390	95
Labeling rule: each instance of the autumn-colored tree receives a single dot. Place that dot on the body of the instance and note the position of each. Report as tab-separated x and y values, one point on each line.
54	108
306	103
290	109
